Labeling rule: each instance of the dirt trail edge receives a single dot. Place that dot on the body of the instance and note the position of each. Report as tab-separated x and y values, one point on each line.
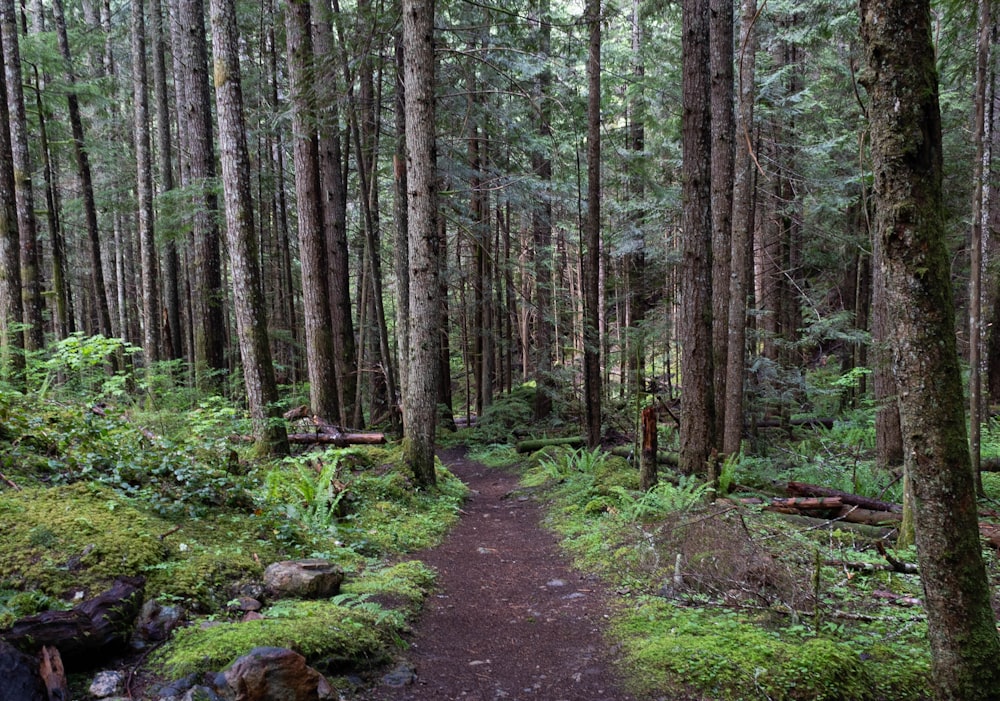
510	619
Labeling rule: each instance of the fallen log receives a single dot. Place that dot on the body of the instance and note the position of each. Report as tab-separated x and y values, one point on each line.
811	522
872	517
804	489
87	634
663	457
873	567
796	503
824	422
341	440
530	446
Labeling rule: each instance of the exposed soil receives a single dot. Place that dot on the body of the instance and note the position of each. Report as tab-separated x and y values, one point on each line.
510	619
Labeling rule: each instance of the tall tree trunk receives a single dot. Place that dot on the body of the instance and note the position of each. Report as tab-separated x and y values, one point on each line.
722	174
312	245
30	285
541	225
402	247
144	189
98	286
901	79
697	407
420	402
635	262
740	275
333	192
248	291
195	117
11	314
976	327
171	324
592	231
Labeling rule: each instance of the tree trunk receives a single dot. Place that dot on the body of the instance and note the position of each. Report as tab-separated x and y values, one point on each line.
11	340
195	117
420	402
592	232
541	226
722	181
30	286
697	397
248	292
333	192
312	247
740	276
901	79
144	190
171	324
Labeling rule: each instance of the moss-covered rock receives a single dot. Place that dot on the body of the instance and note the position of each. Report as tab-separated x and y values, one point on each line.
316	629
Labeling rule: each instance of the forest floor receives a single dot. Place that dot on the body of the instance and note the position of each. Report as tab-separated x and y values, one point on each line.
510	619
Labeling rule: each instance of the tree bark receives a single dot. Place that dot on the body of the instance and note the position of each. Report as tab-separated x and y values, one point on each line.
592	232
740	274
901	79
420	402
30	286
144	189
11	340
248	292
722	181
312	247
195	123
697	398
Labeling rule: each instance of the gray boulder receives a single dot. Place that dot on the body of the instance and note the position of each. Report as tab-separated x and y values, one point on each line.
19	676
303	579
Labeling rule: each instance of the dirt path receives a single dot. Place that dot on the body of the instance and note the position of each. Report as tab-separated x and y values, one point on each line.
510	620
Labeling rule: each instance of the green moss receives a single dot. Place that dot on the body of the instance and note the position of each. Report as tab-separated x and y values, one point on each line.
717	655
74	538
206	579
409	581
316	629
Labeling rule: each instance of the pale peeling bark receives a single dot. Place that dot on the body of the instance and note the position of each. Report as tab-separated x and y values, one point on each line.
248	292
420	401
906	149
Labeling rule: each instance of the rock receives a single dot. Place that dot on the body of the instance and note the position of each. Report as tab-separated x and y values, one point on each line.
21	679
401	676
107	683
248	603
273	674
155	623
303	579
176	689
201	693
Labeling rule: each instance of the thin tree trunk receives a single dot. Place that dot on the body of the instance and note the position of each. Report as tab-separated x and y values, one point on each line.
144	189
741	262
592	231
171	324
722	175
541	226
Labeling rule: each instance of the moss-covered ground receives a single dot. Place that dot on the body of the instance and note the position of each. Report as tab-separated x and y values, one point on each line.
721	601
89	496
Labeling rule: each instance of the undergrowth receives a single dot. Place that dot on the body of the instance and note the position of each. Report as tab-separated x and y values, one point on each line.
720	601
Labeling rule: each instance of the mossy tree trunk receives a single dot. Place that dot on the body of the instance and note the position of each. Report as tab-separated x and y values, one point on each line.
901	79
